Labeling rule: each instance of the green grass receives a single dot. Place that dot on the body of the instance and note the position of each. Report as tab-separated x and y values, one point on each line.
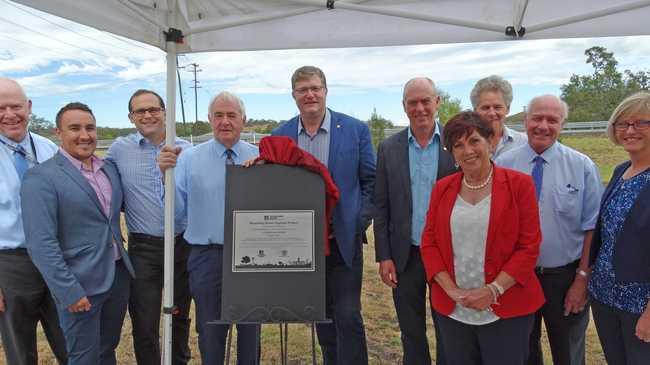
604	153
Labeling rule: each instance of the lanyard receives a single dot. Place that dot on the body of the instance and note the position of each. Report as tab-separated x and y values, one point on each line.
29	158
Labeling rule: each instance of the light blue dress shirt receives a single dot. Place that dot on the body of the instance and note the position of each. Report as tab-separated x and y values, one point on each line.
135	158
11	222
423	166
568	202
201	189
319	144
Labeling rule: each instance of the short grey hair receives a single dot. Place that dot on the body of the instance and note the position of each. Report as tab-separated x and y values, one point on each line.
564	106
491	83
228	96
637	103
416	79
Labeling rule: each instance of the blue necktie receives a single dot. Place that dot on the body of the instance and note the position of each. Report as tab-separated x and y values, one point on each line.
229	159
538	174
20	162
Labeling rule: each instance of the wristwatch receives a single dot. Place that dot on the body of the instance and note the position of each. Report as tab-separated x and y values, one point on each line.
582	273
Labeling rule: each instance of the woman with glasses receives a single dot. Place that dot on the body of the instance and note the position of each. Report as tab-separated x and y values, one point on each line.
620	254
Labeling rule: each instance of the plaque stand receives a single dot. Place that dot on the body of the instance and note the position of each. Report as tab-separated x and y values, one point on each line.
273	211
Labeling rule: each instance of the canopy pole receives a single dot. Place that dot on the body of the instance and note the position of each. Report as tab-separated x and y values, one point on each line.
588	16
170	188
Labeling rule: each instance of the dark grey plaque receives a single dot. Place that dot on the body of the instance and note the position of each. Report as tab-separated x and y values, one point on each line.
269	296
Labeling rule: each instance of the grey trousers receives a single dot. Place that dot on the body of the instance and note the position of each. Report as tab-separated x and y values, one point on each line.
27	302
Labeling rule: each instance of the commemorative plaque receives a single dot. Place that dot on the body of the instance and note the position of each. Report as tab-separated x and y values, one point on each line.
274	263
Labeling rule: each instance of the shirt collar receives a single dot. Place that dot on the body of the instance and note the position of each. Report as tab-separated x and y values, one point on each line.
140	139
547	155
506	134
436	132
325	124
221	149
97	162
12	143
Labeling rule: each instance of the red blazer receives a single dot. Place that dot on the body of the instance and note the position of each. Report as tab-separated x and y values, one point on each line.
512	243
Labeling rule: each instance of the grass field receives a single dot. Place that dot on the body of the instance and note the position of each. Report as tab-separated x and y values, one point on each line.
384	344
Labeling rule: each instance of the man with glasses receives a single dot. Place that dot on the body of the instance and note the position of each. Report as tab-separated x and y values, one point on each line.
136	159
343	144
200	199
24	297
568	190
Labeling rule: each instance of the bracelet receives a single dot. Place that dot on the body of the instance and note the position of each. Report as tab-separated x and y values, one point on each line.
494	292
498	287
582	273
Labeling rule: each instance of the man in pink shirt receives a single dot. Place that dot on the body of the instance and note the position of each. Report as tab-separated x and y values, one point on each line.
71	215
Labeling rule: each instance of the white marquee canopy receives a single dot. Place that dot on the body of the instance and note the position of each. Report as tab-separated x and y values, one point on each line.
237	25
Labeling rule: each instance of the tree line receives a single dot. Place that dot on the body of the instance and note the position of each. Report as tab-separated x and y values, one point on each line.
590	97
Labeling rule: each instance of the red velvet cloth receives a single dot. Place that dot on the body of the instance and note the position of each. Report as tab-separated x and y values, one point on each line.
284	151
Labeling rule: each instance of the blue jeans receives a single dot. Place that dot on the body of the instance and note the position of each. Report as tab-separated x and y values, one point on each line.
204	266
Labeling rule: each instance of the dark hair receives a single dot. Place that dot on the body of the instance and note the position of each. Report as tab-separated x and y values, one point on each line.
72	106
142	92
307	72
463	124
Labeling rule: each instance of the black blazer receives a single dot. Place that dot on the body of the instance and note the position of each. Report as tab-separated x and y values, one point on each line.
632	253
393	201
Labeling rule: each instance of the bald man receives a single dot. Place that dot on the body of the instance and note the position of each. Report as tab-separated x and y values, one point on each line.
24	298
408	164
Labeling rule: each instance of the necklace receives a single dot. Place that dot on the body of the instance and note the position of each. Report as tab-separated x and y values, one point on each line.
481	185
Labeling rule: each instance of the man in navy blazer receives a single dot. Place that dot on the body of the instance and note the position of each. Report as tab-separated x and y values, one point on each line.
343	144
71	214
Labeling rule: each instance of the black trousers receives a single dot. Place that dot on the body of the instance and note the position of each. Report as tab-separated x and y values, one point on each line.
147	254
27	302
566	335
504	342
616	331
343	341
410	298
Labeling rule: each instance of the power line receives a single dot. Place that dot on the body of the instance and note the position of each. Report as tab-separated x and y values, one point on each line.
49	37
63	27
36	45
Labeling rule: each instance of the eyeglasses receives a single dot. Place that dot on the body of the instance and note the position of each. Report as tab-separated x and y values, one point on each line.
313	89
637	124
154	111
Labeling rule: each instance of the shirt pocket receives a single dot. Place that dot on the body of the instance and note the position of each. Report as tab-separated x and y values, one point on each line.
567	200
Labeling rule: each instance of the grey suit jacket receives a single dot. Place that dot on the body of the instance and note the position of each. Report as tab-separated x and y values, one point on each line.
68	236
393	201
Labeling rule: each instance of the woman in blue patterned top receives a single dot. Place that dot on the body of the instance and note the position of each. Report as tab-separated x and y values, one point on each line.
620	252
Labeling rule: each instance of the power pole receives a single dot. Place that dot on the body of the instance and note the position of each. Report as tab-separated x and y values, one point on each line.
180	93
194	68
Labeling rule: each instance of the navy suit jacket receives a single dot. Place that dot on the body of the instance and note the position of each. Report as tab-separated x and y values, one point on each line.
632	253
393	199
68	236
351	164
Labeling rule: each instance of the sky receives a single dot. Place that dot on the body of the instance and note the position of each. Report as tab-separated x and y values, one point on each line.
58	61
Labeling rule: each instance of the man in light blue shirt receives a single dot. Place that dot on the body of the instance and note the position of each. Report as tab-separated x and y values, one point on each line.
24	297
200	199
408	165
568	188
135	157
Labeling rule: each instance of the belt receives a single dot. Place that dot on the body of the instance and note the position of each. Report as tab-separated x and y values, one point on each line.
570	267
150	238
20	251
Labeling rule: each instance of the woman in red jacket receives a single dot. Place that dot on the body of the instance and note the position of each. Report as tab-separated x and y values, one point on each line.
479	248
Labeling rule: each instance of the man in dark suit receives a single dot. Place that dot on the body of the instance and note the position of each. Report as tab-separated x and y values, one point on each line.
341	143
408	165
71	214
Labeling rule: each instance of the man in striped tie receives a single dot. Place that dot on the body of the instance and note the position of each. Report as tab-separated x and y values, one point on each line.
24	298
